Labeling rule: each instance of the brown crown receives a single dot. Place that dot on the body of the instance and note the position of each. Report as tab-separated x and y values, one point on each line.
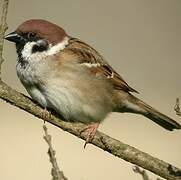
44	29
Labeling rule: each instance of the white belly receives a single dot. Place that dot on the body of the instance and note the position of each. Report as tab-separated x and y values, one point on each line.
75	102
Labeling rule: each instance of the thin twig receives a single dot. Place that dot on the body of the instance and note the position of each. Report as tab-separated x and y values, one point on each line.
56	173
3	28
143	173
177	107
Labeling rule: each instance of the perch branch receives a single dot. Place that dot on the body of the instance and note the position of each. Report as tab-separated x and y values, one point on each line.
3	27
56	173
177	107
143	173
101	140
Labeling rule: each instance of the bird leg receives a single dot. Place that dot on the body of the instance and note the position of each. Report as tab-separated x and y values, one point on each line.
90	131
45	113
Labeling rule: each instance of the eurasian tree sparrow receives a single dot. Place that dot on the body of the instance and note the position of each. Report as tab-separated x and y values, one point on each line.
69	76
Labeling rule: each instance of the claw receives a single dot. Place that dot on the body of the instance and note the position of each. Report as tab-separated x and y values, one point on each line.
90	132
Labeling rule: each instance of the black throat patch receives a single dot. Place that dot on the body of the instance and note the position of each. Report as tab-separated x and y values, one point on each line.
19	48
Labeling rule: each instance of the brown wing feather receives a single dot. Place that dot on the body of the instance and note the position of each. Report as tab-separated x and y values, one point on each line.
89	56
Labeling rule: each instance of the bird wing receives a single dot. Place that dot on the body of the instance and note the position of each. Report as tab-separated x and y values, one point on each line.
89	57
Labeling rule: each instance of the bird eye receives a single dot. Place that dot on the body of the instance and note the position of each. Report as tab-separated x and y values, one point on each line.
31	35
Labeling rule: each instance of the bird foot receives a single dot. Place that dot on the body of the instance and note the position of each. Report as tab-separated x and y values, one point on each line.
45	114
90	132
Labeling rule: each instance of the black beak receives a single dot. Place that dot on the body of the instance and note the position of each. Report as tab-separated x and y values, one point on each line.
13	37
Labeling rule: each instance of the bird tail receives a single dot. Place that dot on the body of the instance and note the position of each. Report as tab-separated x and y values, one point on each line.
135	105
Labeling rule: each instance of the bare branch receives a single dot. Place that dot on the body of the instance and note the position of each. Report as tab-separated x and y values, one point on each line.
143	173
56	173
3	28
177	107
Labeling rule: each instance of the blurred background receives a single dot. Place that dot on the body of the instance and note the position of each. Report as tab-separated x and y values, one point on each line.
142	41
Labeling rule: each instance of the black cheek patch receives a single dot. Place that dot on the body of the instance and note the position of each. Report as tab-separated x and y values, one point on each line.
40	46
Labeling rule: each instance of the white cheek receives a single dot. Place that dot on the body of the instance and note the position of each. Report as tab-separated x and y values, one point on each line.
27	54
27	50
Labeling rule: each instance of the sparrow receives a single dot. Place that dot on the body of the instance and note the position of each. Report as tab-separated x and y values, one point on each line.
67	75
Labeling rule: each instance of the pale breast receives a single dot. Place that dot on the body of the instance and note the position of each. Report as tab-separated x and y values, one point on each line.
27	73
69	90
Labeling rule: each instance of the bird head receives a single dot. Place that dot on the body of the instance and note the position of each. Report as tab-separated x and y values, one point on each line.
36	36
